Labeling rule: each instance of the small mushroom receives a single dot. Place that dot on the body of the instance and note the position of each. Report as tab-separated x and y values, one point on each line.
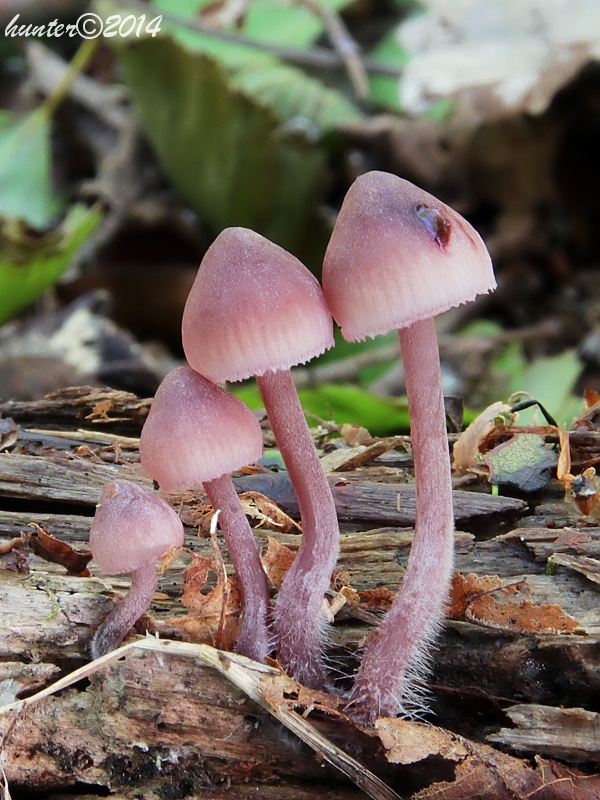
131	531
396	258
254	309
196	433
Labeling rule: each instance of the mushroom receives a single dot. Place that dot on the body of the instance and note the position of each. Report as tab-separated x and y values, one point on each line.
131	531
196	433
254	309
396	258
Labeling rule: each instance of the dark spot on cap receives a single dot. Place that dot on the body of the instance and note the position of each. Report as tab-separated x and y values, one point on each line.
436	224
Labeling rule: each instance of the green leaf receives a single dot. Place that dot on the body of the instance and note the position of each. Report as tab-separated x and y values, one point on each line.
524	461
26	169
30	264
241	149
551	380
285	23
341	403
385	89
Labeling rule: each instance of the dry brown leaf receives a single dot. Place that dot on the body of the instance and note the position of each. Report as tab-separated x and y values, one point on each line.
269	515
9	433
354	435
590	398
381	597
488	773
100	410
481	771
563	468
467	447
523	616
486	602
586	492
10	544
350	594
277	560
214	612
344	460
282	691
407	742
494	64
51	549
465	588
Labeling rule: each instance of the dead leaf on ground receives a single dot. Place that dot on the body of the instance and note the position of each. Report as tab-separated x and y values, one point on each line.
589	419
259	507
585	490
490	773
407	742
487	602
494	63
281	691
355	435
214	612
9	433
51	549
10	544
480	770
345	460
525	461
466	451
100	410
381	598
277	559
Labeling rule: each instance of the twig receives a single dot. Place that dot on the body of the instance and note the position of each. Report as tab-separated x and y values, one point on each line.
47	70
343	44
248	676
314	57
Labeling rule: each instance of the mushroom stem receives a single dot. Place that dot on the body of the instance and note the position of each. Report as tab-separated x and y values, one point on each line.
253	638
396	656
298	619
121	619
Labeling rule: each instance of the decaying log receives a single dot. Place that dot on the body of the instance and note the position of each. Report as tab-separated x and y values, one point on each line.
157	729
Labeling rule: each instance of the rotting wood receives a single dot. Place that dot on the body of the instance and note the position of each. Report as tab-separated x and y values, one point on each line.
68	478
82	406
569	733
478	670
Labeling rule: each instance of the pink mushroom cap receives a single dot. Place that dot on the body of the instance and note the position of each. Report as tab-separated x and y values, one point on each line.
398	255
132	527
253	308
196	432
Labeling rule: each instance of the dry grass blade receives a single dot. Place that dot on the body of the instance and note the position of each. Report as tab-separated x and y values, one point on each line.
247	675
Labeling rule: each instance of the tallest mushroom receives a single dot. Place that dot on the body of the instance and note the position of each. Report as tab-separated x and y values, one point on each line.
397	257
254	309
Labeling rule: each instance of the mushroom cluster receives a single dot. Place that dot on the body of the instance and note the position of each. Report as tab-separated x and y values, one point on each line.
396	258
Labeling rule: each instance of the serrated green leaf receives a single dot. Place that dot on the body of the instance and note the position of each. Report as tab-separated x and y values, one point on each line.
524	461
237	158
30	264
292	95
26	169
